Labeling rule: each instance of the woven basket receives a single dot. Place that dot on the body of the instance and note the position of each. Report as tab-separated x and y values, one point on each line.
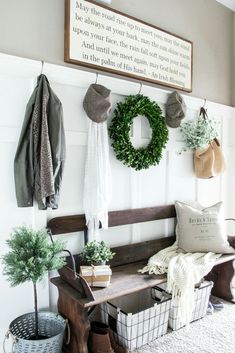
49	324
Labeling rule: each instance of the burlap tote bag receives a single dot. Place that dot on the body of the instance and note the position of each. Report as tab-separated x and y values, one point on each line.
209	162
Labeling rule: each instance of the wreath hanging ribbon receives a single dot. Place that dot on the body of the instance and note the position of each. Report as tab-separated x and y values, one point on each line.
144	157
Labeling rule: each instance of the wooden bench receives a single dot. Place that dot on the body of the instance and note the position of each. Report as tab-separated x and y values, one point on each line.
76	299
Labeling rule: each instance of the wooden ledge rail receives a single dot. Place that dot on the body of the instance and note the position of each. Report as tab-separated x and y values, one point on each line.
77	223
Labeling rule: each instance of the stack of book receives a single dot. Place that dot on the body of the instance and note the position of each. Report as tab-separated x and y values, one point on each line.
96	276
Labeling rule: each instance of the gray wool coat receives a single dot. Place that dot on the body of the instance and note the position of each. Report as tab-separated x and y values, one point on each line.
40	155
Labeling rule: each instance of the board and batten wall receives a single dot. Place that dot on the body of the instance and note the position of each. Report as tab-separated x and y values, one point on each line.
173	179
35	29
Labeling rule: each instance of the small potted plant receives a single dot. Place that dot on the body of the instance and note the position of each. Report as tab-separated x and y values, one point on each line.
30	257
96	253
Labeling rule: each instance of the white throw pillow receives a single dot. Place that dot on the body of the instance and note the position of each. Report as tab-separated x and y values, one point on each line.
202	229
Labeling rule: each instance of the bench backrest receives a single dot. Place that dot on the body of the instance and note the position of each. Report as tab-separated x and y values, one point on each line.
127	253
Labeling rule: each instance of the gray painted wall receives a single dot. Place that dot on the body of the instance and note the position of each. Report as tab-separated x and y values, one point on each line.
35	29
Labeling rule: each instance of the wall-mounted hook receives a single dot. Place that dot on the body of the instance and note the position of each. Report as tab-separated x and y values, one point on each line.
203	110
42	67
141	84
97	75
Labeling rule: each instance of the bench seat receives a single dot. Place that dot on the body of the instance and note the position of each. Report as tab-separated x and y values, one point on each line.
125	280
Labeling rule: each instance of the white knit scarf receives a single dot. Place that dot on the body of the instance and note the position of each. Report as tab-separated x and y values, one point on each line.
97	184
183	270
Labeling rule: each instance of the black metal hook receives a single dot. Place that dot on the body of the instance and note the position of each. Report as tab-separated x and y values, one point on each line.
203	110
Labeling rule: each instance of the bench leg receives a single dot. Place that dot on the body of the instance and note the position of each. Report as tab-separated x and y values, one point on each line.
223	276
78	322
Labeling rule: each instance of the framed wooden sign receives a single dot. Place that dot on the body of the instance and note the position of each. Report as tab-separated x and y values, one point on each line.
105	39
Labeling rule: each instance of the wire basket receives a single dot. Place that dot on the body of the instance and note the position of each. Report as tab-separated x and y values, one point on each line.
201	299
50	325
137	318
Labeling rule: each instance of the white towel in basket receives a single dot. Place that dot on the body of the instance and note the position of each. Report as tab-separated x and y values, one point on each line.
183	270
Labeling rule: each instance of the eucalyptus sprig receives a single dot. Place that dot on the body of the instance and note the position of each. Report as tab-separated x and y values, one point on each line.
198	133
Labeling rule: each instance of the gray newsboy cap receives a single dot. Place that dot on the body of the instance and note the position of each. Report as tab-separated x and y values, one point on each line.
97	103
175	109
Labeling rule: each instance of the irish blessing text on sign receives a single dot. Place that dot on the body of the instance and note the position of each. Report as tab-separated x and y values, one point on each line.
101	38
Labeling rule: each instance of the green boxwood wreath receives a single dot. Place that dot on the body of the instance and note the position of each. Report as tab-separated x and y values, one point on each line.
144	157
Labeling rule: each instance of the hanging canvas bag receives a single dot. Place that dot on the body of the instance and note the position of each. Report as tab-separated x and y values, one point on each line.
209	162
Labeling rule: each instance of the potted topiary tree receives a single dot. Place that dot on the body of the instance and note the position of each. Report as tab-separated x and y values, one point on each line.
30	257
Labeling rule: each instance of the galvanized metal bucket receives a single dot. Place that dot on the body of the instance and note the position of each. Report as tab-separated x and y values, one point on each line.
50	325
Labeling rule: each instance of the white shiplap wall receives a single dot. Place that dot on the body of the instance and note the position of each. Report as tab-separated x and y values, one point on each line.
172	179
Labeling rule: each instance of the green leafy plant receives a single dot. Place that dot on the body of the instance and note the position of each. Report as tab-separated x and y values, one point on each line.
144	157
198	133
30	257
96	253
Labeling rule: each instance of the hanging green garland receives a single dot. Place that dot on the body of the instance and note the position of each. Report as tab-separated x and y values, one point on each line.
144	157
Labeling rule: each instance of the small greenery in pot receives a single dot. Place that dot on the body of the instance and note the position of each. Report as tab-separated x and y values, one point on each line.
198	133
96	253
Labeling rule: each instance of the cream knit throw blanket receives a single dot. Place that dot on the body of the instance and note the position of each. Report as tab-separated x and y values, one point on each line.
97	185
183	270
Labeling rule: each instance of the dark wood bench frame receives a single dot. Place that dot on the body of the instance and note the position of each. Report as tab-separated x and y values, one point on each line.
76	299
